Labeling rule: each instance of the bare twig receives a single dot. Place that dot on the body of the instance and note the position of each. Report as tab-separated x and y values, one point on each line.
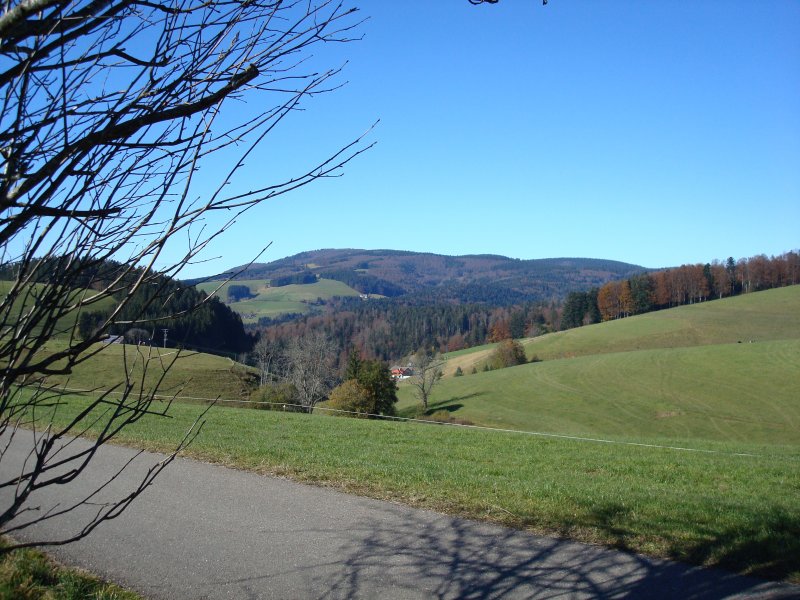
108	110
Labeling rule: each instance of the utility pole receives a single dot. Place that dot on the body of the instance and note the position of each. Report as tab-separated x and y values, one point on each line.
165	336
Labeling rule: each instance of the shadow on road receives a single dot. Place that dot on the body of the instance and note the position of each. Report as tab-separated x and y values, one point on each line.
429	556
456	559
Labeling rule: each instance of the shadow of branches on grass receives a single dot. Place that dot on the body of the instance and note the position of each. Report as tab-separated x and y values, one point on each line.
768	548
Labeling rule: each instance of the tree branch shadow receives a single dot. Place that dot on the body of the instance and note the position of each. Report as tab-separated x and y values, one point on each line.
402	553
456	558
768	548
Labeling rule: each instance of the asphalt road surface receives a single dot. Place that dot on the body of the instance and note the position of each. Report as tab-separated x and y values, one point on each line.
204	531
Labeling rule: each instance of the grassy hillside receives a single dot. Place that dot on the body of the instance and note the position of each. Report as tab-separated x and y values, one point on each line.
467	359
768	315
220	288
678	374
192	374
273	302
731	392
694	456
67	323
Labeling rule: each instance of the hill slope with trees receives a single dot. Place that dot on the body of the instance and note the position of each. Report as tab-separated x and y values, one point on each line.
723	370
434	277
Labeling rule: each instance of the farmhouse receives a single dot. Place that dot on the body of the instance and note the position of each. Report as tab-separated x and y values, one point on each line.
402	372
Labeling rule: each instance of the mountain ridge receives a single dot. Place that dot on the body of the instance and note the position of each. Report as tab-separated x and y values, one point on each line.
403	272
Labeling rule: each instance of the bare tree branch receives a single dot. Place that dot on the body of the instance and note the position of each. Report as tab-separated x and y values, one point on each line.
108	111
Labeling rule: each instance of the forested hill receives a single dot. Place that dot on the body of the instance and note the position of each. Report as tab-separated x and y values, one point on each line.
471	278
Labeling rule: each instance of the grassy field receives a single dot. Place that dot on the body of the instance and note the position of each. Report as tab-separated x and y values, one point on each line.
192	374
713	508
272	302
467	359
220	289
728	392
768	315
677	373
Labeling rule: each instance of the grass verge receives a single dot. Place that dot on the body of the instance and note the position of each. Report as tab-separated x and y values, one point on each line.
29	574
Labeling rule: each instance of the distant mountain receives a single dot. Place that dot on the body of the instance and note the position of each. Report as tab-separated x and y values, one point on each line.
437	278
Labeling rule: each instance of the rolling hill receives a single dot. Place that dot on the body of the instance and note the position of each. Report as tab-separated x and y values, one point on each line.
67	324
465	278
191	375
678	374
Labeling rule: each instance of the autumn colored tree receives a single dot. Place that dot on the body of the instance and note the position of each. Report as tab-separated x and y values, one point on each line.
720	285
352	399
663	288
456	342
608	300
697	283
625	299
509	353
499	331
792	260
760	271
743	275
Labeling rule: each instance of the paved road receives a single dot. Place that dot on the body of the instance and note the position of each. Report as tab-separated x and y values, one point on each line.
204	531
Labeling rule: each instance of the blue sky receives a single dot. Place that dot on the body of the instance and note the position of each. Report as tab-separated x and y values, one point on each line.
657	133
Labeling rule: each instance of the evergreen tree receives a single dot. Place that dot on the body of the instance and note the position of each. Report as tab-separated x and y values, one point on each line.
353	364
575	307
516	324
376	379
642	290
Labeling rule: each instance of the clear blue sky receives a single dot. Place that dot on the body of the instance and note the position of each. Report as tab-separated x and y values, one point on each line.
651	132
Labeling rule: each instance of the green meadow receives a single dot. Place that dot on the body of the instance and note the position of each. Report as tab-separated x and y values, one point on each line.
727	370
757	317
727	392
184	374
273	302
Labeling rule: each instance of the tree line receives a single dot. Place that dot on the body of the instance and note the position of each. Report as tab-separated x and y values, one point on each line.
686	284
